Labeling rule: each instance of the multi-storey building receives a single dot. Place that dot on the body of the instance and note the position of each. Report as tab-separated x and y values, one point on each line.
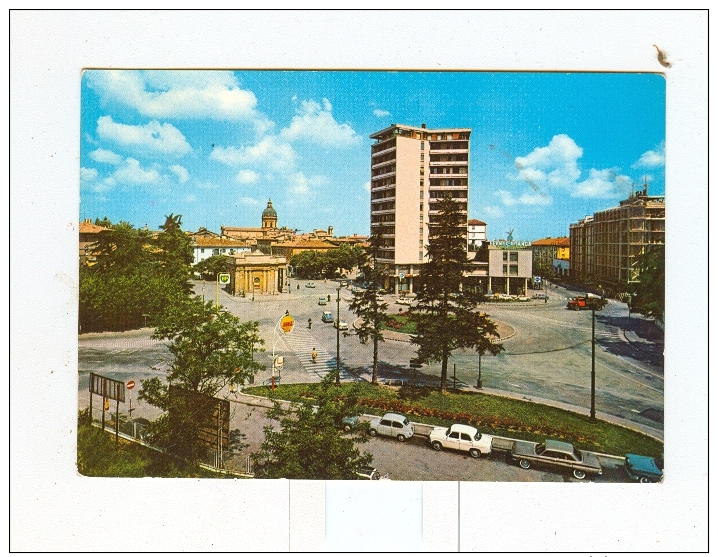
412	170
607	246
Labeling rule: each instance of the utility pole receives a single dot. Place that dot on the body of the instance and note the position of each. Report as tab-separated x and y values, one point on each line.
593	365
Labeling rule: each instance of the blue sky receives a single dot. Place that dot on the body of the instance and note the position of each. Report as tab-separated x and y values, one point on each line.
547	149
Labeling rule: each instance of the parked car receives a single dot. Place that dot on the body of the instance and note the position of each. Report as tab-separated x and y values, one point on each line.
310	285
540	296
461	438
392	425
404	301
327	317
349	422
556	454
322	300
341	325
370	473
645	469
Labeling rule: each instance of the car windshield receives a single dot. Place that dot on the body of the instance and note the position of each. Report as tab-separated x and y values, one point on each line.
406	421
477	436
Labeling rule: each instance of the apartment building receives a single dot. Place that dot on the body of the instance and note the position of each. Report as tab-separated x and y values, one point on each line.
606	246
412	170
477	234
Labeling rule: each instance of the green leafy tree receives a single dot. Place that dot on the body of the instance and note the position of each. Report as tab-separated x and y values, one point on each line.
212	266
309	264
211	349
309	443
174	251
447	317
366	305
649	295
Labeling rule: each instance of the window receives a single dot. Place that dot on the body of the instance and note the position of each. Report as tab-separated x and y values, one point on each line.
514	270
465	437
422	145
422	156
421	206
505	256
201	250
385	422
421	193
505	269
454	435
514	256
421	255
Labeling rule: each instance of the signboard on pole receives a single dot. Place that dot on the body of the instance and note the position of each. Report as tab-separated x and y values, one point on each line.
287	323
223	278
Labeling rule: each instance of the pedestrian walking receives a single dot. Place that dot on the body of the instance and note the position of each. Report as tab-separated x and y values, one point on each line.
310	322
314	355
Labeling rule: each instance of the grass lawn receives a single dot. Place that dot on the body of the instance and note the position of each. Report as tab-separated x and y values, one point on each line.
489	413
400	322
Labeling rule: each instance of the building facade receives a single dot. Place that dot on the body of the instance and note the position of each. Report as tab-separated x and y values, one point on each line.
606	247
256	273
476	234
412	170
545	251
205	244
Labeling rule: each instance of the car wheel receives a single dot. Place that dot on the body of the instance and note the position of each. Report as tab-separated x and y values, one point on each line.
474	453
579	474
525	464
372	433
437	446
401	438
645	480
577	308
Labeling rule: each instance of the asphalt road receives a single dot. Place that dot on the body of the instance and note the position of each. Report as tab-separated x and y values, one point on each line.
548	356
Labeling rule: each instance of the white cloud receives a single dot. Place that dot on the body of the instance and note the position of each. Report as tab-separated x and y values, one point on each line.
181	173
247	177
132	173
299	184
553	165
507	198
180	94
103	155
270	152
367	186
88	174
191	198
652	159
602	184
379	113
314	122
492	211
537	198
153	137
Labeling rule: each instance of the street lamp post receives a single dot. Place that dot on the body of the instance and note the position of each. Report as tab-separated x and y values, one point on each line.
479	385
338	290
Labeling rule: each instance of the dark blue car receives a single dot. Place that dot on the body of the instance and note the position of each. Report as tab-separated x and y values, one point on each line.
645	469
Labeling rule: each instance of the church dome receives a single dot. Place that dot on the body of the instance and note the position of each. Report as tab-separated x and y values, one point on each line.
269	212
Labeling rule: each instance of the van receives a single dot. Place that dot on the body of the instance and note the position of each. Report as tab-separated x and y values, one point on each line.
392	425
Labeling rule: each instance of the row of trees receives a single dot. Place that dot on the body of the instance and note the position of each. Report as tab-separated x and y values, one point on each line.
447	316
316	264
137	274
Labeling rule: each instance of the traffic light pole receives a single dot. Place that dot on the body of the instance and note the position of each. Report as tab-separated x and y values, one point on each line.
593	365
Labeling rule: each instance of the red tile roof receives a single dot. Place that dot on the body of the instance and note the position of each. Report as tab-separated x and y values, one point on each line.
560	242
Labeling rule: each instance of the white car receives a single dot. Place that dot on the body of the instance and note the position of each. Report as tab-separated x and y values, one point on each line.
392	425
404	301
461	438
341	325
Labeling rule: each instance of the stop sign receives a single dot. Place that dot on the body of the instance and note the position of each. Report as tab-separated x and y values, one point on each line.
130	385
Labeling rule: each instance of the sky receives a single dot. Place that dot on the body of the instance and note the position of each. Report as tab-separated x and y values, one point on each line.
546	150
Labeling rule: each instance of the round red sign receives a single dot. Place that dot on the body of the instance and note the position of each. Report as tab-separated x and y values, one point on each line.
287	323
130	385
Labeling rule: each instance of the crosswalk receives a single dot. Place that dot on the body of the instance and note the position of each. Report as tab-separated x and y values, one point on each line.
301	342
